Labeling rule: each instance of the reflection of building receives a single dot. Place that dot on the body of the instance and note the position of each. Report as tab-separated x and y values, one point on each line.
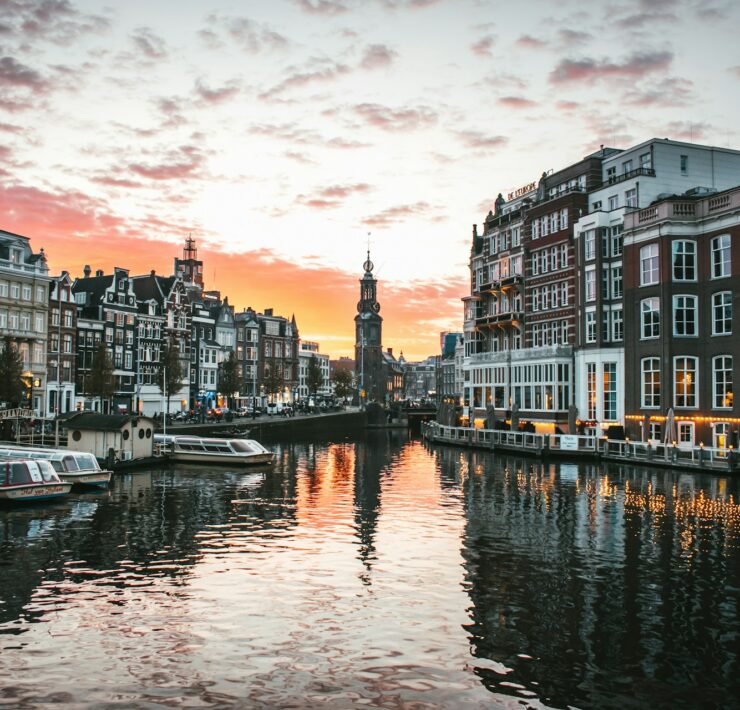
682	284
369	338
24	306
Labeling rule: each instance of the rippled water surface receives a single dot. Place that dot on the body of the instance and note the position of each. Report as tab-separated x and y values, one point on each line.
376	573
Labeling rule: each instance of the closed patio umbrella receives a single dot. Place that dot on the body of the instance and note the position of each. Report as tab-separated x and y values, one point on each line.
669	435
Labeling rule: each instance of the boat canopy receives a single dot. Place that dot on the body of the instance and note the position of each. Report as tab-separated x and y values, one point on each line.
25	472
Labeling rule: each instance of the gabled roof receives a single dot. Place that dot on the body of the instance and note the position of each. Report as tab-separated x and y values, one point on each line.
96	286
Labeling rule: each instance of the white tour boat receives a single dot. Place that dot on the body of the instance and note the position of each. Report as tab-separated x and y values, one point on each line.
196	449
26	480
77	467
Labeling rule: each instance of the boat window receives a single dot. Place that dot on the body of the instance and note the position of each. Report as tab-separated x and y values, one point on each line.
86	462
19	473
217	448
47	471
58	465
243	447
71	464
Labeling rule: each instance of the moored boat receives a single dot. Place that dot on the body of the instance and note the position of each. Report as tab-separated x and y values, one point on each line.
26	480
196	449
76	467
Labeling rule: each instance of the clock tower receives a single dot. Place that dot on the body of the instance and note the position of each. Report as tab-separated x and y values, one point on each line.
369	337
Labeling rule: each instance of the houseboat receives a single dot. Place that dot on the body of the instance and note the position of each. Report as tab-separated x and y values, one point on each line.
26	480
76	467
196	449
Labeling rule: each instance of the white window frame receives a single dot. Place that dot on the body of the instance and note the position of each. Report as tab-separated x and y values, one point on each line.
650	253
694	300
718	249
715	307
651	400
676	245
695	383
715	362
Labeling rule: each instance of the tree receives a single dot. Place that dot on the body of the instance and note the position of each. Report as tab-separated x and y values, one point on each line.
273	380
343	382
314	378
101	382
170	376
229	381
12	385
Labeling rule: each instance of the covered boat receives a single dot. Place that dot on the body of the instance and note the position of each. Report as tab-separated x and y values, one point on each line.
77	467
196	449
25	480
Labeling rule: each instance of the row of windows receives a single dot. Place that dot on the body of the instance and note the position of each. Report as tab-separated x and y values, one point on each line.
611	282
553	332
611	242
685	315
550	223
120	319
15	320
684	260
21	292
686	382
66	343
68	318
551	296
612	326
504	240
549	259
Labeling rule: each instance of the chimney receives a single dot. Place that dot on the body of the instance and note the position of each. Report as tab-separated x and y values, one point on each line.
87	271
99	272
268	311
153	273
390	351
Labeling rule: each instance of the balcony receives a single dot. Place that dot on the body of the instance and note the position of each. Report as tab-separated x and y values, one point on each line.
683	210
637	172
499	319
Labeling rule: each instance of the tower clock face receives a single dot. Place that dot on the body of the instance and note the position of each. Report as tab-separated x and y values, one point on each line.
375	307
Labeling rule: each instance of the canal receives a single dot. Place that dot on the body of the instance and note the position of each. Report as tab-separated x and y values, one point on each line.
378	572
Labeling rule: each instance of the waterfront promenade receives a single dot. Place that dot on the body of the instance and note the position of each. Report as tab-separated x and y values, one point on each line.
573	447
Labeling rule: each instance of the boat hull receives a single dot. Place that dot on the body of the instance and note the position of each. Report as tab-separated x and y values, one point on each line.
87	479
205	457
27	493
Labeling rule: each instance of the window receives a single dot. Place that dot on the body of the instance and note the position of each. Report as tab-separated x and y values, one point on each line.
596	206
684	382
684	165
68	319
650	382
41	293
722	382
610	391
563	293
614	202
591	389
591	327
684	316
590	243
67	343
564	218
685	432
26	292
3	288
25	321
684	260
611	173
591	285
39	322
615	235
616	281
15	291
645	161
630	198
650	318
617	325
626	167
721	256
649	265
722	313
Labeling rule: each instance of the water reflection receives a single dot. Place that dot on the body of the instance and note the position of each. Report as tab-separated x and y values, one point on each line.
377	572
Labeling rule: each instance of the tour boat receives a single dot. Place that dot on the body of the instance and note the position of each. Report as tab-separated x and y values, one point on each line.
26	480
196	449
77	467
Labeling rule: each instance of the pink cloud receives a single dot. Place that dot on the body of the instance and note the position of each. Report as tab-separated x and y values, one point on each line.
184	162
588	70
483	46
322	7
403	119
529	42
400	213
218	95
149	44
475	139
516	102
377	56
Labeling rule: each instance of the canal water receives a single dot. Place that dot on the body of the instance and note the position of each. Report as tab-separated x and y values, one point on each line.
378	573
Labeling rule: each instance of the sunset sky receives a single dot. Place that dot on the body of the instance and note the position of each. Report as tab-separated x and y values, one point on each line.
280	133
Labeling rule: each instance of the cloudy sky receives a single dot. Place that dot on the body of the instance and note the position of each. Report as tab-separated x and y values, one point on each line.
280	133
